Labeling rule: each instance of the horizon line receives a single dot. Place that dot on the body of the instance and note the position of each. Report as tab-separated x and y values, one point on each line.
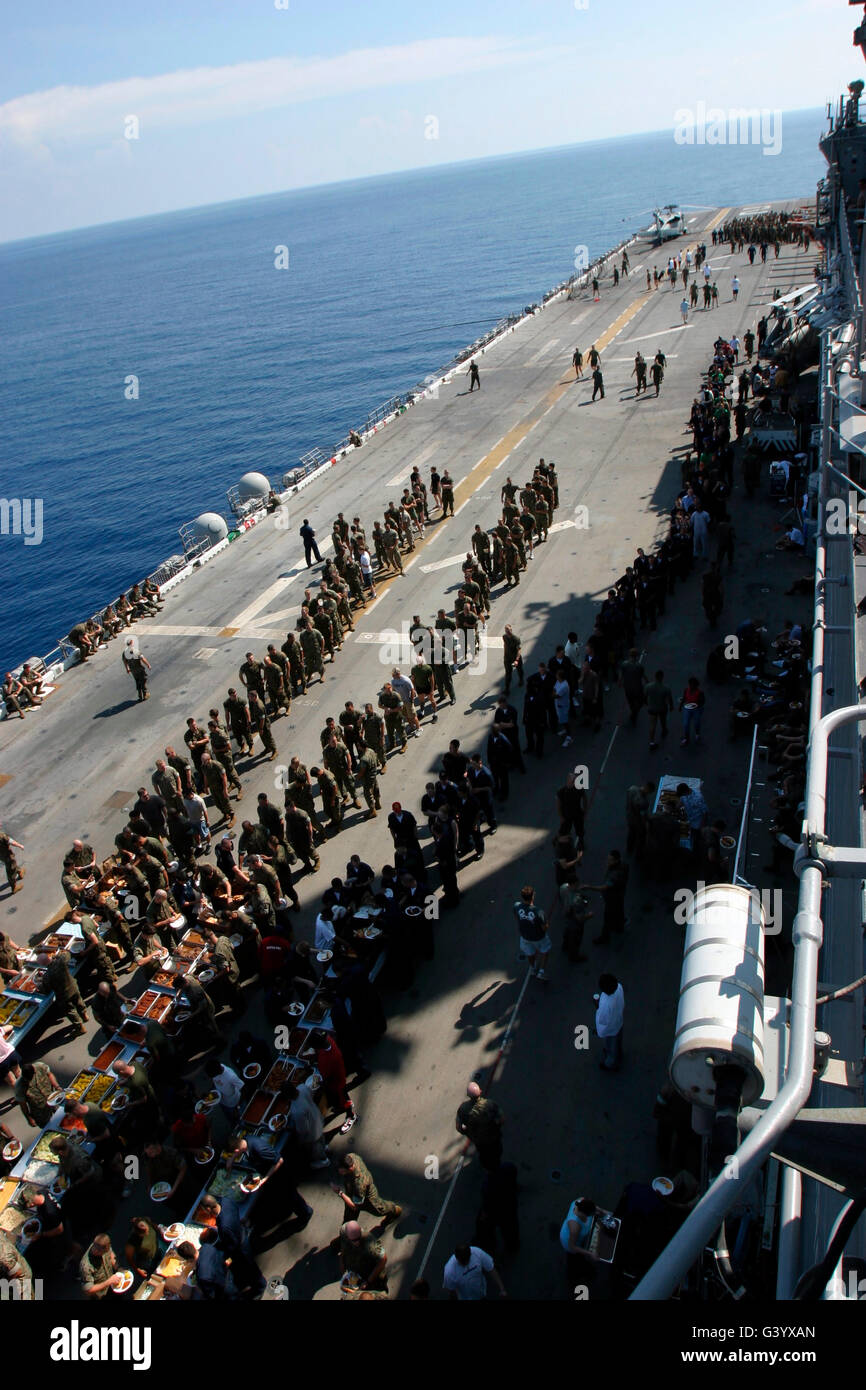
366	178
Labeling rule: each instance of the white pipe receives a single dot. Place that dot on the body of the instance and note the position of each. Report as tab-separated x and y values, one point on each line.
789	1233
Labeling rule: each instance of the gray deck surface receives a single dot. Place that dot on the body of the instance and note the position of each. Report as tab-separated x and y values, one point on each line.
69	770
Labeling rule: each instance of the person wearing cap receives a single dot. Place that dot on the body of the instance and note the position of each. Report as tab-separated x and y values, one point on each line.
362	1256
402	825
137	666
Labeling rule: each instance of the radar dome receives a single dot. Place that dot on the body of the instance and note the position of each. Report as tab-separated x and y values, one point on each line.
253	485
209	526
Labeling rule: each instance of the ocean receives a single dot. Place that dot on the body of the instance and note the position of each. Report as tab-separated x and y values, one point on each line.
241	365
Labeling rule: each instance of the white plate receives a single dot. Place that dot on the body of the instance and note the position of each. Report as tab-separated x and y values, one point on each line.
181	1015
174	1231
204	1156
31	1228
295	1010
277	1123
207	975
160	1191
372	932
251	1071
323	956
251	1184
12	1150
120	1100
57	1097
204	1107
127	1282
413	911
663	1186
235	940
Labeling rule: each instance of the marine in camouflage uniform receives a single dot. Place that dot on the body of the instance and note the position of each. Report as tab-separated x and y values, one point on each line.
391	545
300	788
222	750
67	996
252	675
373	731
278	696
331	802
238	716
390	702
324	624
313	647
358	1185
368	765
512	563
336	759
215	781
261	725
14	872
299	828
166	783
294	654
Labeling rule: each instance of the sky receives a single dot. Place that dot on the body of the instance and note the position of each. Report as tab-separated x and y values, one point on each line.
111	111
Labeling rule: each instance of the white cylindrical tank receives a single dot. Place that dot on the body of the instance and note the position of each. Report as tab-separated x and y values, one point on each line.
252	486
210	526
720	1017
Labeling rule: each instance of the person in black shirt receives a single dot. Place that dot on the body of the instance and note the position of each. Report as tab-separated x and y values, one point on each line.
454	763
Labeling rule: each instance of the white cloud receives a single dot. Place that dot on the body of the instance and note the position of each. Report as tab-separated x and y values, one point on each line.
196	95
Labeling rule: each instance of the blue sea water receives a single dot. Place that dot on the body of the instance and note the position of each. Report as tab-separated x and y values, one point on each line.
243	366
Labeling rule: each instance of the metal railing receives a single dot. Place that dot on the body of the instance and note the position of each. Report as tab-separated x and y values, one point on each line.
700	1226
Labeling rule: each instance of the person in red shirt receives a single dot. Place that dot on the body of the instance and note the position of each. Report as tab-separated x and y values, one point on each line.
190	1132
692	708
332	1068
274	952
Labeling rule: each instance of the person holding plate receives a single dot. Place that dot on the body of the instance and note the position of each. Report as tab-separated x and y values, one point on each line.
98	1268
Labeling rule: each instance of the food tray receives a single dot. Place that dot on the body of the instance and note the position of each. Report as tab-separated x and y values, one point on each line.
171	1265
190	1231
40	1172
101	1087
8	1005
280	1107
187	953
108	1055
81	1084
160	1007
146	1001
59	940
42	1151
258	1108
279	1073
317	1010
163	978
132	1031
12	1219
25	1010
25	983
193	938
224	1184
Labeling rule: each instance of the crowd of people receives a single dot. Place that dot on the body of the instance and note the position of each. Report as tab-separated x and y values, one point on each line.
128	907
